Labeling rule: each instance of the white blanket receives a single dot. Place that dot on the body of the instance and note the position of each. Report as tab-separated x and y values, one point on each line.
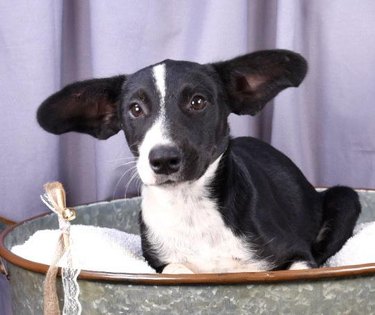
93	248
111	250
359	249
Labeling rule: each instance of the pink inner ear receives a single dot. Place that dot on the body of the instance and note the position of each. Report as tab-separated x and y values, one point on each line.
249	83
255	81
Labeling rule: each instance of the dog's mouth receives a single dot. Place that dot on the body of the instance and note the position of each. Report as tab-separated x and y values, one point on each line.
165	183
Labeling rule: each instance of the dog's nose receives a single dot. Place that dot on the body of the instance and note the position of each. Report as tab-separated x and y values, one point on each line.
165	160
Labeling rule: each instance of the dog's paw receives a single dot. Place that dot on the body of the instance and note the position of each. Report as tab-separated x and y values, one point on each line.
177	269
299	265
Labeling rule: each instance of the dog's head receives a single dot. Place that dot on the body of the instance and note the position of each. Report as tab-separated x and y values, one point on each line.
174	114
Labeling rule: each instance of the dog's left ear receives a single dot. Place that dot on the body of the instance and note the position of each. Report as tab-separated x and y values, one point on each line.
89	106
254	79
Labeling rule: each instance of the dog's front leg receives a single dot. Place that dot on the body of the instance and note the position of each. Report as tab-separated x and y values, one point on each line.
177	269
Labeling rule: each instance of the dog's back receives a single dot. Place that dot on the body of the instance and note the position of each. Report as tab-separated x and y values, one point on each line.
263	195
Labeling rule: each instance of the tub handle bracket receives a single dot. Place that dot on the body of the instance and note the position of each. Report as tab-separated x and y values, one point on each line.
3	268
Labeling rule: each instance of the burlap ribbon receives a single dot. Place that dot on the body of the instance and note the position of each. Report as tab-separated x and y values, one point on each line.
55	199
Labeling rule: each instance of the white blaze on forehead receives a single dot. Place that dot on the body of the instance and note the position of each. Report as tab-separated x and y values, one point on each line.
159	74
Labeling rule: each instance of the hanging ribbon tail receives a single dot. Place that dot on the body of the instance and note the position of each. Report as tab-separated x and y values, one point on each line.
50	297
55	199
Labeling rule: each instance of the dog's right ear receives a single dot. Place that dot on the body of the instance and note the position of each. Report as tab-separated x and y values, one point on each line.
254	79
89	106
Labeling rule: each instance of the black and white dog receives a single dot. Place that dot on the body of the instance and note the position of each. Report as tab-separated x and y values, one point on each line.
211	203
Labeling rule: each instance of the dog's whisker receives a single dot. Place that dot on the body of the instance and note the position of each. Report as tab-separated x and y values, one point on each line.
134	176
140	184
123	160
127	163
126	158
120	179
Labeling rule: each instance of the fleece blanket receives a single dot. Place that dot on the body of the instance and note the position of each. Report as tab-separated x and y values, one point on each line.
359	249
111	250
93	248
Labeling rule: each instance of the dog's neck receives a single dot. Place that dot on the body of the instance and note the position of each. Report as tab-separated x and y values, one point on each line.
180	199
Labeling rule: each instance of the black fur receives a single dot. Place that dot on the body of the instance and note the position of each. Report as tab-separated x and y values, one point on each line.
262	195
89	106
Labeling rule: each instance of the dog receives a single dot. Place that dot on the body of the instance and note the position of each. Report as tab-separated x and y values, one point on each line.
210	203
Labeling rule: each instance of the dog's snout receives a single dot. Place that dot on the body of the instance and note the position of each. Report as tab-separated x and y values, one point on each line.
165	160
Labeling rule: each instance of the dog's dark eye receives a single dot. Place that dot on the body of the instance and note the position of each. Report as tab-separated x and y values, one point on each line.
198	103
136	110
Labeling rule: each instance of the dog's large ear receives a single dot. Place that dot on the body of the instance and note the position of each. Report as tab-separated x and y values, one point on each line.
254	79
87	106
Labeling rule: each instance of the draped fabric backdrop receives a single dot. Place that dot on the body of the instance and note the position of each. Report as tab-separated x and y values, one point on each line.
327	125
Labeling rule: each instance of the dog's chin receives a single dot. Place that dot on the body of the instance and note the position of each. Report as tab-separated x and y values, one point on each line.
167	181
152	179
163	183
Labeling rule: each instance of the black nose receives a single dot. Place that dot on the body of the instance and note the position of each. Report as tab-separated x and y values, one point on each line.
165	160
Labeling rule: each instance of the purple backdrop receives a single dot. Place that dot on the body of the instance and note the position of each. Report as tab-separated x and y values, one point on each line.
326	126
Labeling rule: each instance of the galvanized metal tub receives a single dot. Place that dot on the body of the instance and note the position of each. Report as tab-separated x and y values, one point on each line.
344	290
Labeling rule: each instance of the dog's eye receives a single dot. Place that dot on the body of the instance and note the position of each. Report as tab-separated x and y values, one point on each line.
136	110
198	103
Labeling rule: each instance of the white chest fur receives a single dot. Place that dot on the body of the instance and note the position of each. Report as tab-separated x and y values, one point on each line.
188	229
